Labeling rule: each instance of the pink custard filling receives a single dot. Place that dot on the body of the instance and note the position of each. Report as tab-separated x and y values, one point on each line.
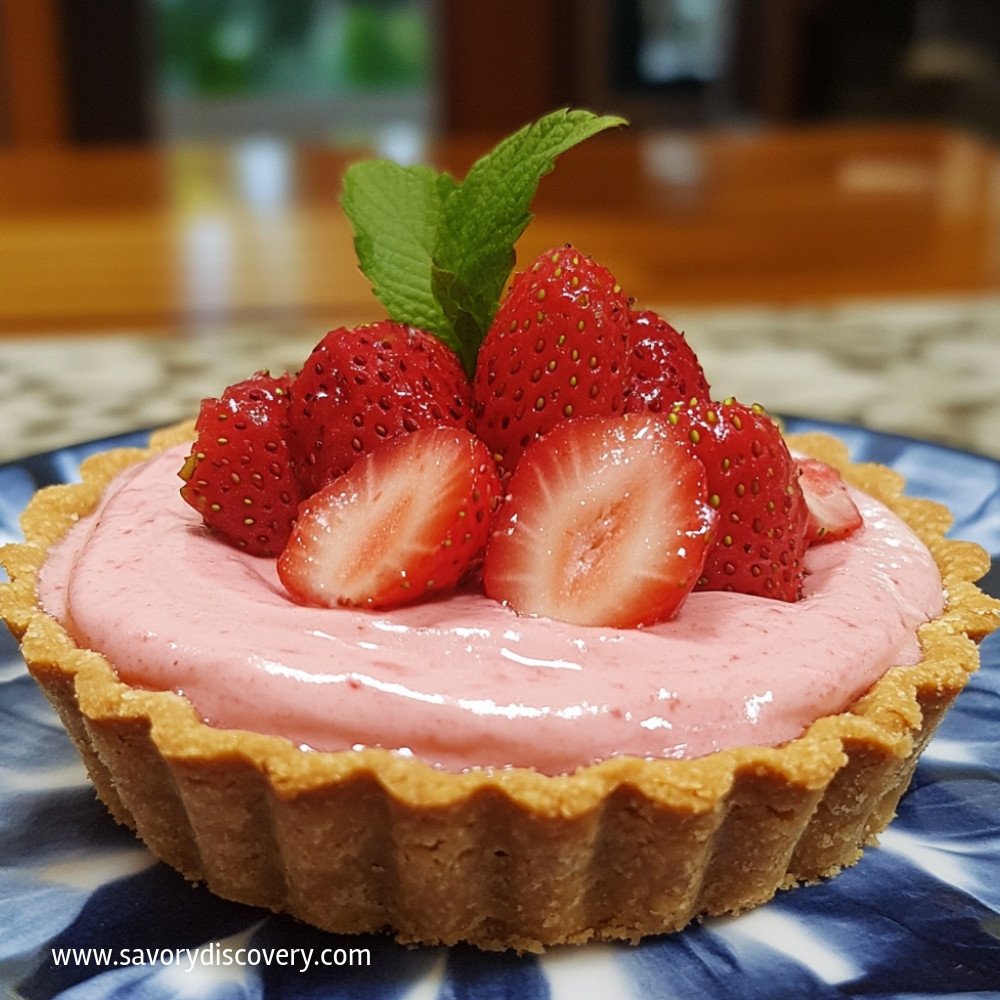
462	681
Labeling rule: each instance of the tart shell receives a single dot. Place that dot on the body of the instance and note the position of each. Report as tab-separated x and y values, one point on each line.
368	840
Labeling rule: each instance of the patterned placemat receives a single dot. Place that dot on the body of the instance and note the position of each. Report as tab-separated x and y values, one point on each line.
927	369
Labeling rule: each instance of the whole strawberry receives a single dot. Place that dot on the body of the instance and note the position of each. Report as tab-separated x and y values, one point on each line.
361	387
239	474
753	484
662	368
557	349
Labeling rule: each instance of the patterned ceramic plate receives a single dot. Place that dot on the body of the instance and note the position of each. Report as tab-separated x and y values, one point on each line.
86	913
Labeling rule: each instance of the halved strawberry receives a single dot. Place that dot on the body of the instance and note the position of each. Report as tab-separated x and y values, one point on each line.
832	512
662	367
556	349
407	520
753	483
239	473
606	522
363	386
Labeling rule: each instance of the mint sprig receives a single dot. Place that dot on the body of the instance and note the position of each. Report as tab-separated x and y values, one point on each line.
437	252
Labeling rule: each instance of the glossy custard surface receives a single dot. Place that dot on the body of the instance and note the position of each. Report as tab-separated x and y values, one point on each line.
462	681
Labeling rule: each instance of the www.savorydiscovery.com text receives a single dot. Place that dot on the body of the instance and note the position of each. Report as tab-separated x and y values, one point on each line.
216	955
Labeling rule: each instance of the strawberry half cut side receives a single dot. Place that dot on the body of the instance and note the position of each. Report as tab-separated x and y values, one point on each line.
239	474
606	522
832	513
405	522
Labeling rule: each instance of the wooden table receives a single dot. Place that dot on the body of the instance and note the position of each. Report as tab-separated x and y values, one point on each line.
185	236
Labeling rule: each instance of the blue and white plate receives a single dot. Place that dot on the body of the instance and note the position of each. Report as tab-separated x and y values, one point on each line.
919	916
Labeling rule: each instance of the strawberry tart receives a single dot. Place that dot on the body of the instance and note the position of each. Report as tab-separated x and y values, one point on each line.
518	637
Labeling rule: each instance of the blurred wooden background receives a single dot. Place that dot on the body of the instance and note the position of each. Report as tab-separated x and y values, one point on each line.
125	237
739	189
821	204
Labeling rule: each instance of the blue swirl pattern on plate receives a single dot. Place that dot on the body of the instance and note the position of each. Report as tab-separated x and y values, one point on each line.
919	916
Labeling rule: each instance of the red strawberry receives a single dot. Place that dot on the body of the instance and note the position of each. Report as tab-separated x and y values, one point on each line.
407	519
239	474
606	522
753	483
662	368
557	348
832	512
361	387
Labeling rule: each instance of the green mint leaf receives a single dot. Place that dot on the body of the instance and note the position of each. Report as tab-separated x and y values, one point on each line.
438	254
395	213
483	218
465	331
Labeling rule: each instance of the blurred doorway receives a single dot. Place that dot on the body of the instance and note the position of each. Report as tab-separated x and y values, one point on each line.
319	70
84	72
